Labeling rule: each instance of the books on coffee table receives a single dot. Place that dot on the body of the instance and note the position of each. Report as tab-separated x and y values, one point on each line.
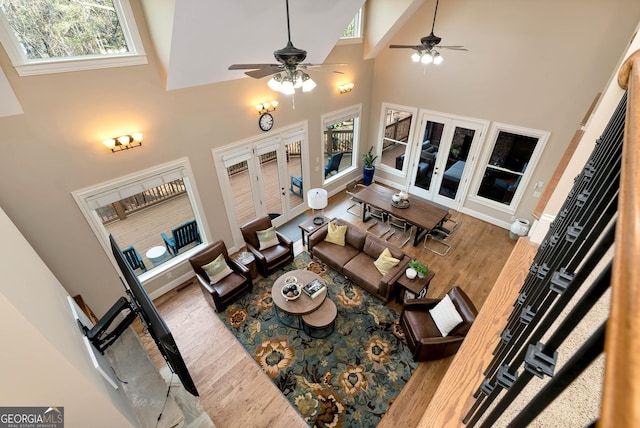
314	288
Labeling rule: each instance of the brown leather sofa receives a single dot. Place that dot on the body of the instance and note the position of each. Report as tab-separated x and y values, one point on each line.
355	259
423	337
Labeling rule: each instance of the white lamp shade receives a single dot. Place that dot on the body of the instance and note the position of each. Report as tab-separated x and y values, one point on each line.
317	199
308	85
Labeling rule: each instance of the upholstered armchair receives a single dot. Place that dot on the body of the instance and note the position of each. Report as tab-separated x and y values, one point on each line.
220	292
274	254
424	338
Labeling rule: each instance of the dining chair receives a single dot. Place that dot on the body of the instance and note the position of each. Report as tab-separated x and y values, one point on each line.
438	244
449	225
382	218
352	188
399	224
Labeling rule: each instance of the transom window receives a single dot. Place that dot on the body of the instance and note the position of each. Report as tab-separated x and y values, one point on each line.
72	34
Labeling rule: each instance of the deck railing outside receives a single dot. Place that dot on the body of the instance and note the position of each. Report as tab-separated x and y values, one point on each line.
121	209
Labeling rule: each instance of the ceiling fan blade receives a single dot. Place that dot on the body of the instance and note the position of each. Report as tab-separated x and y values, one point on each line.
406	47
325	71
263	72
250	66
324	64
454	48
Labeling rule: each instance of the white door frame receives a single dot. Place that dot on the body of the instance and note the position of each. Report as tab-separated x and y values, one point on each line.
450	123
256	145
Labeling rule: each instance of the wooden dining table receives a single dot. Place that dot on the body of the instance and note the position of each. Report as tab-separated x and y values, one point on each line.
424	216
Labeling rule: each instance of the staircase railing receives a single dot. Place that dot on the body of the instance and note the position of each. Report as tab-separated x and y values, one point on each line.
621	393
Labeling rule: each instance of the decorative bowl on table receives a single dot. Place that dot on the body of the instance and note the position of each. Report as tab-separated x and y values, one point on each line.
403	203
291	291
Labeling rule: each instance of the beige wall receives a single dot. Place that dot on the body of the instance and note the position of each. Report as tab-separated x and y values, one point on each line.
530	64
55	148
596	124
44	361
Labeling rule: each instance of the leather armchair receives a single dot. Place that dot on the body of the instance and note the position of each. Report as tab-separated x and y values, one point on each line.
228	289
269	259
423	337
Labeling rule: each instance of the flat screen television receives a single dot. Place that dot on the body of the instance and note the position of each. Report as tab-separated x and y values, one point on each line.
139	304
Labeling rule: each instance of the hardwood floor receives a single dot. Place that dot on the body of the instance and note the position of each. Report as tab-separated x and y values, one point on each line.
236	393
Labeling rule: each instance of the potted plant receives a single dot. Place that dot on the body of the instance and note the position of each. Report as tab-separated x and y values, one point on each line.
421	268
369	167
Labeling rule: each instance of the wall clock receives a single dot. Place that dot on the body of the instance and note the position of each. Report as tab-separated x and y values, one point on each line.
266	121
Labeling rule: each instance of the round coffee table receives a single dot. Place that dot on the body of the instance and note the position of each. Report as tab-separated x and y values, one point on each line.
302	305
321	322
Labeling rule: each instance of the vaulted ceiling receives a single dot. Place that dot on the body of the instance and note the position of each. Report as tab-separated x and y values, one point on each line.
196	41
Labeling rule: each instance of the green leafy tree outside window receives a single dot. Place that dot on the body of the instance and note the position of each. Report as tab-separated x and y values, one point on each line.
65	28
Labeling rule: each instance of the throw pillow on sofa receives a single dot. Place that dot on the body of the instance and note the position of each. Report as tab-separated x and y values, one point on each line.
385	262
336	234
267	238
217	269
445	315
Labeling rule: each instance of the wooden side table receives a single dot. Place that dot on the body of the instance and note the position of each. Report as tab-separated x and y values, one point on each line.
249	261
307	227
415	285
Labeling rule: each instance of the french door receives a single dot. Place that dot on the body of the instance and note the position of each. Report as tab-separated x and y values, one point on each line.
257	180
442	157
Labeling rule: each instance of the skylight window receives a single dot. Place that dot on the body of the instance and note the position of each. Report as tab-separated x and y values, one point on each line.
47	36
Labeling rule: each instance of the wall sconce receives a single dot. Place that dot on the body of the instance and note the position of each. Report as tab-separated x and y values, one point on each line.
123	142
347	87
266	107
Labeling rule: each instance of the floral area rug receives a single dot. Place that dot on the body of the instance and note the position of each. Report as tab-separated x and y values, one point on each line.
348	379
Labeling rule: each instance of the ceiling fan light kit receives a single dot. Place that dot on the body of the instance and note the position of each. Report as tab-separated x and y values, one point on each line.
288	74
426	52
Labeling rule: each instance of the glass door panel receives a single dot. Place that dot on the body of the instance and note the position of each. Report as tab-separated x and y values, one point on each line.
271	186
294	173
428	153
456	162
241	192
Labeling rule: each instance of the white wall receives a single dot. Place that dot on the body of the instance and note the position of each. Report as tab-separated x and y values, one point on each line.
43	360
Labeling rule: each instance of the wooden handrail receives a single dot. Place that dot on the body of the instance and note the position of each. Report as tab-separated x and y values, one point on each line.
620	405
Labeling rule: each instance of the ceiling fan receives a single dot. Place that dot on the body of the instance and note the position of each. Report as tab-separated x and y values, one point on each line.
289	73
427	50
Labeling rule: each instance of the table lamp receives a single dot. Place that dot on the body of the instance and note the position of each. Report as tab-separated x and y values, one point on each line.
317	200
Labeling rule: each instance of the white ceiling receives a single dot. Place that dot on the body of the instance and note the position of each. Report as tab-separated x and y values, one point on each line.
208	36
